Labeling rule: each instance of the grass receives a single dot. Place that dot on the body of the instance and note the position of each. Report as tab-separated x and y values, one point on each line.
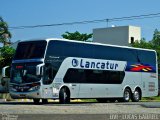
88	100
150	99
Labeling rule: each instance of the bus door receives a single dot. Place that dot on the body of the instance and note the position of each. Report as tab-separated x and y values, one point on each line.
48	77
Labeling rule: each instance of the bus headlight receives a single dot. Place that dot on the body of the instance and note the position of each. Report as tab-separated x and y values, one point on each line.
34	88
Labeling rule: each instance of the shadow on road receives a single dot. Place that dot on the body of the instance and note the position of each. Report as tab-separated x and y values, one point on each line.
48	104
143	104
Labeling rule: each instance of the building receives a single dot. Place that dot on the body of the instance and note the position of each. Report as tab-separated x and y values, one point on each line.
121	35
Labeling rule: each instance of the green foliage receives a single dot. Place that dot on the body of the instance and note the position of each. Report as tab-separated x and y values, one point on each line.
6	55
6	52
156	38
5	35
143	44
77	36
149	99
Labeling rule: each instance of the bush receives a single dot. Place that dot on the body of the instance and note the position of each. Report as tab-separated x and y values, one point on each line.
6	55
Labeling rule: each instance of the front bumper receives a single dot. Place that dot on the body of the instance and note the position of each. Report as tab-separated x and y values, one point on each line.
28	95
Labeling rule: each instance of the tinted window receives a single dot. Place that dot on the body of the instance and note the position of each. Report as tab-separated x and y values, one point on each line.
49	74
115	53
94	76
85	50
30	50
74	76
72	49
130	55
69	49
147	57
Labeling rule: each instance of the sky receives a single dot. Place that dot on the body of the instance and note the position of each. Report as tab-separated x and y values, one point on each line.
40	12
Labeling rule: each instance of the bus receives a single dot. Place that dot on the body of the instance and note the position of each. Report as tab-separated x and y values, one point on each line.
67	69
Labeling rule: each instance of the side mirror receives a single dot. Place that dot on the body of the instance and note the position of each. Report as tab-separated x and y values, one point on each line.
39	70
6	72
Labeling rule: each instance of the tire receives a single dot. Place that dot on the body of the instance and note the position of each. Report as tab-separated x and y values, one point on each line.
101	100
64	96
136	96
36	101
126	95
44	101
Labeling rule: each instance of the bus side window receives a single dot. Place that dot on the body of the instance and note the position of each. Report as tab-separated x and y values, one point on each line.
49	75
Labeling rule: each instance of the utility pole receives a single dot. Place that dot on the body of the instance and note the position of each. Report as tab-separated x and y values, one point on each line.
107	20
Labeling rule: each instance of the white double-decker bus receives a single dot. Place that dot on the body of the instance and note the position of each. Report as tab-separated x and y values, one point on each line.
65	69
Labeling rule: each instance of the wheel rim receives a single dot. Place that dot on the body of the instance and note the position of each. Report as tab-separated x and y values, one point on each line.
136	95
64	96
126	95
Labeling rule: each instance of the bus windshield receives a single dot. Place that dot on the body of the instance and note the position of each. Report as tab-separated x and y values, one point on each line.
30	50
24	74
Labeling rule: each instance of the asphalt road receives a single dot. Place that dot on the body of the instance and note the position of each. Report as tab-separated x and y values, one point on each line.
78	110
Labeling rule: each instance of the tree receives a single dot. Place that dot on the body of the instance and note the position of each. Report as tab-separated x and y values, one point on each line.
6	52
5	35
156	38
6	56
142	44
77	36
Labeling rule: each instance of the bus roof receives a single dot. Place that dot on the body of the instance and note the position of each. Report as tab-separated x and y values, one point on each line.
92	43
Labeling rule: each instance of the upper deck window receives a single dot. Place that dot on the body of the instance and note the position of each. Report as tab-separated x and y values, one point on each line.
30	50
82	50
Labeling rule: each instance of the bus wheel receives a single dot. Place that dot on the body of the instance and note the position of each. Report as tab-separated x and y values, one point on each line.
36	101
101	100
44	101
64	96
126	95
136	96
